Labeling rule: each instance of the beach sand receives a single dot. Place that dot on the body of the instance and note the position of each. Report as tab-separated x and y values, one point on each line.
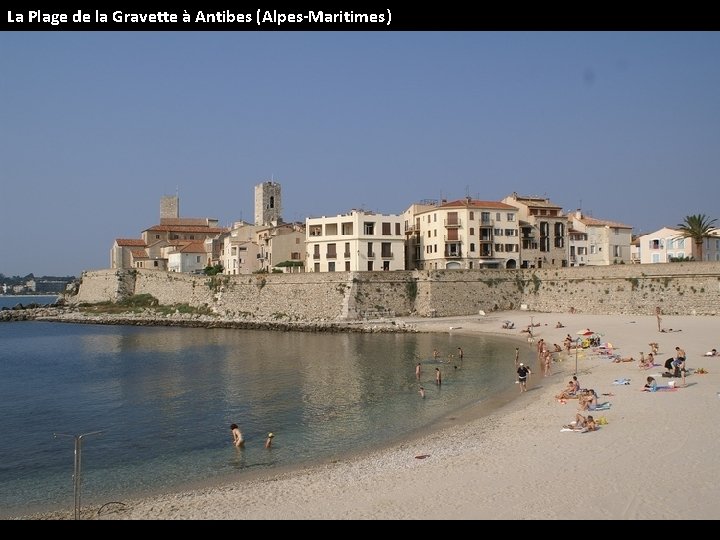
656	458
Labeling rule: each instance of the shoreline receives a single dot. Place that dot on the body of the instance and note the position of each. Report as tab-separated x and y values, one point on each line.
513	462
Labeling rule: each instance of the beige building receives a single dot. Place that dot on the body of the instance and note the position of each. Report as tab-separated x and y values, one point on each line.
543	232
465	234
240	252
608	242
282	248
355	242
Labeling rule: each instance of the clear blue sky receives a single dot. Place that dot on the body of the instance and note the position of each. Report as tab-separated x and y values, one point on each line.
96	126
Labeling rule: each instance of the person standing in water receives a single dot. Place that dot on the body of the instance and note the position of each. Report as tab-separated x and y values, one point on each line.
438	376
418	371
238	440
268	441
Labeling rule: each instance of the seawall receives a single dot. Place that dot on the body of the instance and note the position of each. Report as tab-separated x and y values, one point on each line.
691	288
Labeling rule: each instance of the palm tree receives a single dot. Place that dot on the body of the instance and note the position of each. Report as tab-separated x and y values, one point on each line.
697	227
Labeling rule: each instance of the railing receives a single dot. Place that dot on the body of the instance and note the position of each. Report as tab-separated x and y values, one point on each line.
387	256
316	256
453	223
371	254
346	254
331	255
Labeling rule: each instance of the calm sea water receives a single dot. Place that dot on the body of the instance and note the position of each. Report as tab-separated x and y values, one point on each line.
164	399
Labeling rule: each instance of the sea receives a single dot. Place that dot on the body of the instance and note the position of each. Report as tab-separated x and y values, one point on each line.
148	409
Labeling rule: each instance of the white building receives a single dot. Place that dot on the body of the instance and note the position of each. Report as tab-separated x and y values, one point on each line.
355	242
190	257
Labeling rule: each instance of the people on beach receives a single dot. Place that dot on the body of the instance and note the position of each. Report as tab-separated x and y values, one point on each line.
569	392
422	392
712	352
646	363
461	354
523	371
654	347
238	440
559	325
588	400
619	359
418	371
436	354
650	385
517	357
582	423
269	440
679	364
438	376
658	312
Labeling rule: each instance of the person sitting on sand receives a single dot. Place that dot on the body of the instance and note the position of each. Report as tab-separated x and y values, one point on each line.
654	347
559	325
587	401
582	423
569	392
650	385
711	353
619	359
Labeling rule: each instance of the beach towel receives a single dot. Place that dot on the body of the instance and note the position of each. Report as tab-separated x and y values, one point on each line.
600	406
665	389
621	381
576	430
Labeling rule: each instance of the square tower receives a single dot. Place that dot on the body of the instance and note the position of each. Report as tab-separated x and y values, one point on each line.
169	207
268	207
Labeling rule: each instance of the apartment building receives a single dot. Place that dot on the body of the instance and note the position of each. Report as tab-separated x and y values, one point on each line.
464	234
543	232
355	242
607	242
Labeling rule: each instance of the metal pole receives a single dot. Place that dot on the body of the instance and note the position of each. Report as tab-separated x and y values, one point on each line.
77	467
577	346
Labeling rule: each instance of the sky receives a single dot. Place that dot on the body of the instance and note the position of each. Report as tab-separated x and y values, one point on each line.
95	127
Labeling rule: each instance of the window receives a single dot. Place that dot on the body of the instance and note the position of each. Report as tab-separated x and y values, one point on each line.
316	230
386	250
197	259
316	252
347	229
452	218
510	217
434	218
272	202
331	251
370	266
498	232
233	251
472	215
316	268
370	228
559	235
295	256
485	218
297	241
386	229
370	250
510	248
617	252
331	229
331	267
155	264
472	231
472	249
386	266
435	248
429	234
498	248
544	236
510	232
347	250
498	216
397	229
347	266
592	249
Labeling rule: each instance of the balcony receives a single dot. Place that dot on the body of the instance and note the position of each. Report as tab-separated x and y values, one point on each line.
453	223
387	255
371	255
346	254
453	254
316	256
331	255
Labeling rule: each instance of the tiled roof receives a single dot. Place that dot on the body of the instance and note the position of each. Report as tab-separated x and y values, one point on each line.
124	242
188	222
139	254
592	222
536	202
473	203
187	229
193	247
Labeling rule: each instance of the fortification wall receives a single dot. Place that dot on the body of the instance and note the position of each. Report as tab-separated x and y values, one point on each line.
678	288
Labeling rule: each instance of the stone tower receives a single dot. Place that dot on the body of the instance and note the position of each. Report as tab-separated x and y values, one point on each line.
169	207
268	208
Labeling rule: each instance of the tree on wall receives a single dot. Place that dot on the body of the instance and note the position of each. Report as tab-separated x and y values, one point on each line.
697	227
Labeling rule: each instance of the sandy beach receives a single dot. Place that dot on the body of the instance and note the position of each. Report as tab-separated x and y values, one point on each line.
656	458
